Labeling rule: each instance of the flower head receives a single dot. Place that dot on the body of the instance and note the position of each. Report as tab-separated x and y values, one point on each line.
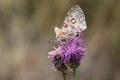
68	53
57	60
72	51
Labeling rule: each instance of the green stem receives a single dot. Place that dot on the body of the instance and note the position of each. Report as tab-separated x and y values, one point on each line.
74	74
64	75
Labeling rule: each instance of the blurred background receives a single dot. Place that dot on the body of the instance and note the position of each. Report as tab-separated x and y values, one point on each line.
26	27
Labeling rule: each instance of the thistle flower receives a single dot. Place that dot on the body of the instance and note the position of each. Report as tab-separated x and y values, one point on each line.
72	51
68	55
57	60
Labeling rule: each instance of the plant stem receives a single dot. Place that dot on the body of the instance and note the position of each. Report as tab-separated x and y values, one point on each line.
74	74
64	75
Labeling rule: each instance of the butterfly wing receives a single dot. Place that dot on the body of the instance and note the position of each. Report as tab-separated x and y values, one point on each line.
75	20
58	32
74	23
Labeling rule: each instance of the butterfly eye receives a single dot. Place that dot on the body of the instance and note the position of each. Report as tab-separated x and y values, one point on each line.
73	20
65	25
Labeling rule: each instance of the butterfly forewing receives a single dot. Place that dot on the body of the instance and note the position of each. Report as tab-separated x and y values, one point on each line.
75	19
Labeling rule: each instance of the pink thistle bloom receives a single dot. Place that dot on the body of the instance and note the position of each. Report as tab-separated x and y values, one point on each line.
72	51
57	60
68	53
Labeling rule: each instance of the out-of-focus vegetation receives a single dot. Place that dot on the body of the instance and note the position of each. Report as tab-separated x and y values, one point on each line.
26	27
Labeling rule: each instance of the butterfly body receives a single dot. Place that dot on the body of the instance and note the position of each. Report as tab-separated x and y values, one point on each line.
73	24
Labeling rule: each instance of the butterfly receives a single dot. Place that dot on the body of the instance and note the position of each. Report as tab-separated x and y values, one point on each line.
74	23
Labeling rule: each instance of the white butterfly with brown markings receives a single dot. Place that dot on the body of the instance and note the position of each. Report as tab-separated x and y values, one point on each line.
73	24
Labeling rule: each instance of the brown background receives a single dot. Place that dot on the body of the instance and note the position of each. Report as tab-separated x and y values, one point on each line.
26	27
